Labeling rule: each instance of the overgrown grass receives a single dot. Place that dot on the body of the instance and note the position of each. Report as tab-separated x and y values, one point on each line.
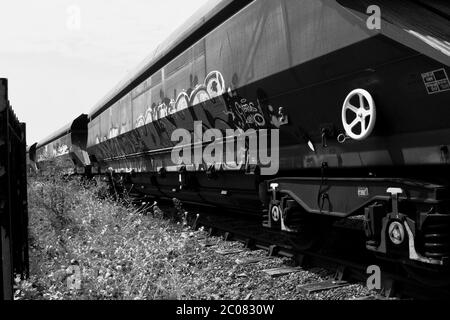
120	252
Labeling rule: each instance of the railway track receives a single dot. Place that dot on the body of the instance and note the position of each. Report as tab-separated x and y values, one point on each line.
342	253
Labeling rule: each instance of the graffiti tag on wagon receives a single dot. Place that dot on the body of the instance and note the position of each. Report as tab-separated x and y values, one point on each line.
212	89
56	151
246	114
238	112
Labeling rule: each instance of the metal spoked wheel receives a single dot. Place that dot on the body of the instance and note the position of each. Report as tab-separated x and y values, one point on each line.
358	114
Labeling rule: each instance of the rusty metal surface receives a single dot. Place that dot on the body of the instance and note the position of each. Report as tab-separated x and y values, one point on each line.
13	197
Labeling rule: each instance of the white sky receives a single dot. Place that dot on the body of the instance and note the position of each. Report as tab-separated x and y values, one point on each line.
57	71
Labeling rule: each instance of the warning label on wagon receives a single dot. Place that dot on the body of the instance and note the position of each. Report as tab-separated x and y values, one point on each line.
436	81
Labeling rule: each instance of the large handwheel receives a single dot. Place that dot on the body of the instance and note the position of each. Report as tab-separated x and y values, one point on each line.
361	104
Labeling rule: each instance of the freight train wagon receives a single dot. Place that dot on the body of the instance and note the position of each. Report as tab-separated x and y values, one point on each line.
67	146
349	100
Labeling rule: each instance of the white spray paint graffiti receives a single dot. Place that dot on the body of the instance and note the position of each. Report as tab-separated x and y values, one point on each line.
52	150
244	114
211	90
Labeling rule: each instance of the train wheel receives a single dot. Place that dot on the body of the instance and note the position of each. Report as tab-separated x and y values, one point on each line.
430	278
311	230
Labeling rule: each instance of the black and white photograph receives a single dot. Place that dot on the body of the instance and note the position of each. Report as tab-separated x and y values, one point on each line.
223	158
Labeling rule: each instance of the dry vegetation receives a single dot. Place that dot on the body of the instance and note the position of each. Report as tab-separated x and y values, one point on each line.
123	253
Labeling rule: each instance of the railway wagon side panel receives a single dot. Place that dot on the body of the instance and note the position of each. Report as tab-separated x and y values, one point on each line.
250	46
58	149
55	148
272	55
